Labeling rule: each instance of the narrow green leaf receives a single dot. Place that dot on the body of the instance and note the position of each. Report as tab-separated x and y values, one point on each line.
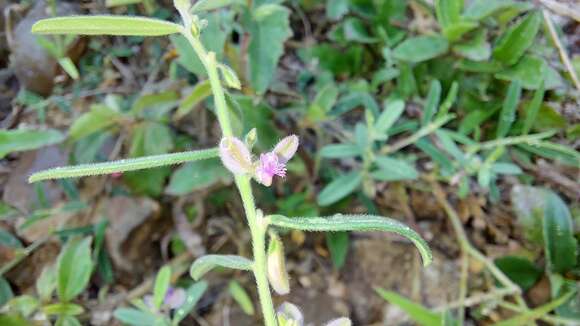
194	293
74	268
5	291
559	241
140	163
417	312
206	263
69	67
162	282
479	9
68	309
529	316
25	140
391	169
432	103
337	243
508	111
530	71
98	118
340	151
512	45
241	297
448	11
421	48
339	188
392	111
200	92
105	25
533	108
340	222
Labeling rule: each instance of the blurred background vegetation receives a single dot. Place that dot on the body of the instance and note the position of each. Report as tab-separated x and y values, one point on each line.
459	118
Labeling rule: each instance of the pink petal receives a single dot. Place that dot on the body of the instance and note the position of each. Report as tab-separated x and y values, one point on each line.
235	155
286	148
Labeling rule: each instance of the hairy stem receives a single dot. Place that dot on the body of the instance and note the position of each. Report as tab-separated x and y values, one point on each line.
257	229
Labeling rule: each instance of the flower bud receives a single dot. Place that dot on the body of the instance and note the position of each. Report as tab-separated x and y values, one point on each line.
230	77
340	322
286	148
251	138
276	266
289	315
235	155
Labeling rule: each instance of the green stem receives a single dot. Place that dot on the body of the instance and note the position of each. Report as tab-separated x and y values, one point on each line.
257	228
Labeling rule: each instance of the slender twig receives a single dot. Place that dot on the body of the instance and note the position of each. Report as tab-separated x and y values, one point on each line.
547	318
563	53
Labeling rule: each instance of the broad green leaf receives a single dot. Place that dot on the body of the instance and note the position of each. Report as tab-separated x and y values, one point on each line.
105	25
340	151
520	270
432	103
74	268
213	37
162	282
197	175
206	263
194	293
268	35
476	49
529	203
421	48
339	188
25	140
336	9
560	244
420	314
355	31
207	5
68	309
455	31
392	111
135	317
25	305
529	71
337	243
560	286
200	92
135	164
529	316
533	108
512	45
98	118
64	320
508	112
340	222
391	169
241	297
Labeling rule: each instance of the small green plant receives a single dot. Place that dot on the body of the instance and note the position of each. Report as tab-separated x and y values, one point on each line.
267	265
68	278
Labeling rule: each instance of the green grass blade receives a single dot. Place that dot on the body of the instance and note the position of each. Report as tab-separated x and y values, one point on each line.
508	111
534	108
105	25
127	165
340	222
432	104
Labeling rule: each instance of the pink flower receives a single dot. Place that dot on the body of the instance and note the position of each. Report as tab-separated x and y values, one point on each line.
236	156
268	167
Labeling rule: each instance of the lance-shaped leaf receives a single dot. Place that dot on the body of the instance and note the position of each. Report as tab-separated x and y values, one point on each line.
120	166
206	263
105	25
340	222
